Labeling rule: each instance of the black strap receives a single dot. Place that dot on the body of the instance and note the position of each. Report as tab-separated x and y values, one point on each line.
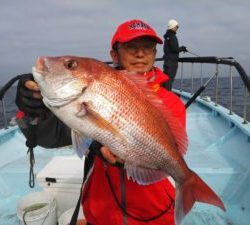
89	160
31	173
74	217
123	194
31	144
125	212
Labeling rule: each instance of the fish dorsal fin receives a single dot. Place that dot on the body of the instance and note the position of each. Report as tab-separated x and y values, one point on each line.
144	176
177	129
80	143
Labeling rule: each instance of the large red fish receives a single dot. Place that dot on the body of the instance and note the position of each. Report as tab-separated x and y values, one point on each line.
119	110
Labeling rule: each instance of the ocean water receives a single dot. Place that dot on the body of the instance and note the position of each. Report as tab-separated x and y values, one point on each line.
223	95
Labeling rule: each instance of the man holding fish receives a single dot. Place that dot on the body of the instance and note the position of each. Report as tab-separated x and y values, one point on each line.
139	128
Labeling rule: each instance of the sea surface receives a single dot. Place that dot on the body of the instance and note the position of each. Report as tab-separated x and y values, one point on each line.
223	95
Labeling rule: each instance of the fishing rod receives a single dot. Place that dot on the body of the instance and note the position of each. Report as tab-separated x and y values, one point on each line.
203	87
193	53
199	91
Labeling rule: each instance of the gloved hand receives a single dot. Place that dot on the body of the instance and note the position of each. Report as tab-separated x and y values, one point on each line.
184	49
28	97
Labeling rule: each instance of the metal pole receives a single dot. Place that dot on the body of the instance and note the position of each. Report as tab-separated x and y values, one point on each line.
216	85
201	77
192	74
245	107
4	115
231	92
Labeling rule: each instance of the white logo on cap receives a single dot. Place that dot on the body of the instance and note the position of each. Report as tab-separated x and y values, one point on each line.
138	26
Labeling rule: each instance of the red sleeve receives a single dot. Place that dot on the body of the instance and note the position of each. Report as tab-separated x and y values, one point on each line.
174	104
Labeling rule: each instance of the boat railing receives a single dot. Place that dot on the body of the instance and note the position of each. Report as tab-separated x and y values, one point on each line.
217	66
218	62
3	90
193	61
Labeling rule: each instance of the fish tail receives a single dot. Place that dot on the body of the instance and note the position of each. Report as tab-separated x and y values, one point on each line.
192	190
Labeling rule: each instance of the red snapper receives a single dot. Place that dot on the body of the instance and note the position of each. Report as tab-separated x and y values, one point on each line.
120	110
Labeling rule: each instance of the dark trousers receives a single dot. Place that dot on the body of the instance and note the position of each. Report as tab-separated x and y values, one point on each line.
170	68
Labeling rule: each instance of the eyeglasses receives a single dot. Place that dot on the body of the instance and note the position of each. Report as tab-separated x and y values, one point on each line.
133	48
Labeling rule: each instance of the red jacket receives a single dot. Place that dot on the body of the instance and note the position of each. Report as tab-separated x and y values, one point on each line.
99	205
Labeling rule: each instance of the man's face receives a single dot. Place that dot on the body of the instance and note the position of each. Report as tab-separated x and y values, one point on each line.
137	55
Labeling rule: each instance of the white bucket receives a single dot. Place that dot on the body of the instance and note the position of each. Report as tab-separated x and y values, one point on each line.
67	215
38	208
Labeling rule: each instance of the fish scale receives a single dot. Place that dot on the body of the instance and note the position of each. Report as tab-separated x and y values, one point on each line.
119	113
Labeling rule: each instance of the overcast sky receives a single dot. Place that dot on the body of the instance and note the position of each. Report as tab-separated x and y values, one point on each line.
30	28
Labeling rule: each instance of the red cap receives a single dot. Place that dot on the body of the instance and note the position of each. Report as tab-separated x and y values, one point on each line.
132	29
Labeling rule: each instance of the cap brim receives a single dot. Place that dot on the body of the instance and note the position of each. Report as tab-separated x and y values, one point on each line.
156	38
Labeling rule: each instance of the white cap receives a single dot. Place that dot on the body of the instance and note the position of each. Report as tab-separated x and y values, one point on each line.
172	23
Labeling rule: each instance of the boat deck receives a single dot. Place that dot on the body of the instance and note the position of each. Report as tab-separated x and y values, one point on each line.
219	152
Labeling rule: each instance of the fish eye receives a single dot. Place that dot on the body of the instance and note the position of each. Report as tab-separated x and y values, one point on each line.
71	64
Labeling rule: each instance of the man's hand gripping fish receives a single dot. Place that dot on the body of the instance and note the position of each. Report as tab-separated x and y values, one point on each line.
119	110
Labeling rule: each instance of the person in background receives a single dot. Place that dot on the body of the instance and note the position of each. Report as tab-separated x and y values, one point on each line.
171	51
109	197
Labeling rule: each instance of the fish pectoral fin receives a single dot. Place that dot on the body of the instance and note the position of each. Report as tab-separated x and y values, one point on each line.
144	176
80	143
104	124
82	111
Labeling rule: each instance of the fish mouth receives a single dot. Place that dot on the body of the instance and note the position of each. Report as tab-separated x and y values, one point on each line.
54	102
38	77
57	95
